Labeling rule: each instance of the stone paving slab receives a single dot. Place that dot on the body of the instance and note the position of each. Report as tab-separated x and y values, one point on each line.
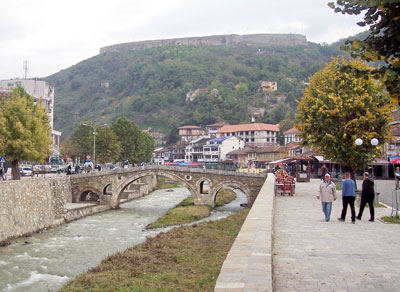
310	254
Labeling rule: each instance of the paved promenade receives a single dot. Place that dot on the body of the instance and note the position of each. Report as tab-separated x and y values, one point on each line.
310	254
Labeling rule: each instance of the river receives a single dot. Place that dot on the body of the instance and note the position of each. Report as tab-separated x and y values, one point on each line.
48	260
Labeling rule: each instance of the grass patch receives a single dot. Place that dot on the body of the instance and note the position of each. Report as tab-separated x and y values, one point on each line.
389	219
164	183
181	215
224	196
187	211
188	258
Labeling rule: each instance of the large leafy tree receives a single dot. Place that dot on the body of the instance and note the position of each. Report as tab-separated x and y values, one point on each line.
383	41
135	144
108	148
82	137
339	107
24	130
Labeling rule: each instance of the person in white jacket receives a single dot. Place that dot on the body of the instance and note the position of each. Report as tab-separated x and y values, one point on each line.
327	194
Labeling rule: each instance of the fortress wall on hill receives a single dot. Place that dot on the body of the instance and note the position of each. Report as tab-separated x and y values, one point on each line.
215	40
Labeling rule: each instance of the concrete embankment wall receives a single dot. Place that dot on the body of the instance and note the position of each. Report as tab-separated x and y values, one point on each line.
27	206
248	266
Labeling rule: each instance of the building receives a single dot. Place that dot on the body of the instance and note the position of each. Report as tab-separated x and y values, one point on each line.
178	152
194	150
256	113
189	133
158	136
269	86
216	149
39	90
254	135
258	157
291	135
212	129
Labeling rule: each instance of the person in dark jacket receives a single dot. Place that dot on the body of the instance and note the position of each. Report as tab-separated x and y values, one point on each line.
367	196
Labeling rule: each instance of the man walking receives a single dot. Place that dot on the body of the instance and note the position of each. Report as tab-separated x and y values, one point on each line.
327	193
348	197
367	196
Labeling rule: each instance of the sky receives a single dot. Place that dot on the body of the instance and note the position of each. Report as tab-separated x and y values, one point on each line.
55	34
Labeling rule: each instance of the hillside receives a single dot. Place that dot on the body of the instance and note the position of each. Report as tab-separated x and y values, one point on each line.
150	86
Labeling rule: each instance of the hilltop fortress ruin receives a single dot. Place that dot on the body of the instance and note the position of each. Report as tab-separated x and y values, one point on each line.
263	39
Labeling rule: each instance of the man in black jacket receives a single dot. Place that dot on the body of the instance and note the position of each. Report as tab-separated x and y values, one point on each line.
367	196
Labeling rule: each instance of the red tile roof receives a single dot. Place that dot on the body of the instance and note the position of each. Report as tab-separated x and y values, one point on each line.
248	127
291	131
189	127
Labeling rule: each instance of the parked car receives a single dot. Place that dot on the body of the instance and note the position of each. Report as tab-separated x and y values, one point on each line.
25	171
53	168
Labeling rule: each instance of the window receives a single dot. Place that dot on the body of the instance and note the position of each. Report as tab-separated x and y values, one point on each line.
252	132
206	149
247	139
252	139
214	149
215	156
241	133
247	132
267	139
208	156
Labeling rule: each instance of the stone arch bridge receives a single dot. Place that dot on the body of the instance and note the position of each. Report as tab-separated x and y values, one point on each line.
110	185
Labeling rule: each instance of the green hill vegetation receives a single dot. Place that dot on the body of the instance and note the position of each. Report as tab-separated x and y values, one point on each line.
151	86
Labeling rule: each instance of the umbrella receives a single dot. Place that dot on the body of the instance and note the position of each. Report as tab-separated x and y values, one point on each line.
396	161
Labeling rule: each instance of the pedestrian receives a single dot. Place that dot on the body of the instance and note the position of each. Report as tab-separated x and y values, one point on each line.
76	168
2	172
367	196
69	169
327	194
397	178
348	197
324	170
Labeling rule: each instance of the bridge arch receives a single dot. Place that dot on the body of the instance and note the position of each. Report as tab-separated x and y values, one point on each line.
116	194
230	184
82	193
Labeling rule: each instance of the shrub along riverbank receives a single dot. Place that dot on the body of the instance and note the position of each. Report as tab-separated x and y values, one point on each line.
187	258
187	211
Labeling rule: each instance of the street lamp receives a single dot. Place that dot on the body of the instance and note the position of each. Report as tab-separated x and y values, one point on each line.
374	142
94	141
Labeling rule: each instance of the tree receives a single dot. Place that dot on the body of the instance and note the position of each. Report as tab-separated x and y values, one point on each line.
339	107
135	145
25	130
383	42
82	137
69	149
108	147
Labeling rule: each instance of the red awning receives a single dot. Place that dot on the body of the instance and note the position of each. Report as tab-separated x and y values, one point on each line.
194	164
169	163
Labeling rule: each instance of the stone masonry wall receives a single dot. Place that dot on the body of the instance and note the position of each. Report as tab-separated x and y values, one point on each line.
267	39
30	205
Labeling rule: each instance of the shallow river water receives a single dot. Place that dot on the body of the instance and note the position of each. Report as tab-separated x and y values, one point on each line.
47	260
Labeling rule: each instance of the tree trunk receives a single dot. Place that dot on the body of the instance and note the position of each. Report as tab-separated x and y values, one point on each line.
353	177
15	172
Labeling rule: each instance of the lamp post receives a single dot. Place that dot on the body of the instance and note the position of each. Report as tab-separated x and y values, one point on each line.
94	141
374	142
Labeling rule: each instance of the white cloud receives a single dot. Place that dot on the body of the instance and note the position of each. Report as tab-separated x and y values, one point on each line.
53	35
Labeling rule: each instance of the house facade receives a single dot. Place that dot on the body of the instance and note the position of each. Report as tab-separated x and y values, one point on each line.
190	132
254	135
216	149
291	135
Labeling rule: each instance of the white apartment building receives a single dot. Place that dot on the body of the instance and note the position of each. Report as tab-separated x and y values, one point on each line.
254	135
216	149
194	150
291	136
39	90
